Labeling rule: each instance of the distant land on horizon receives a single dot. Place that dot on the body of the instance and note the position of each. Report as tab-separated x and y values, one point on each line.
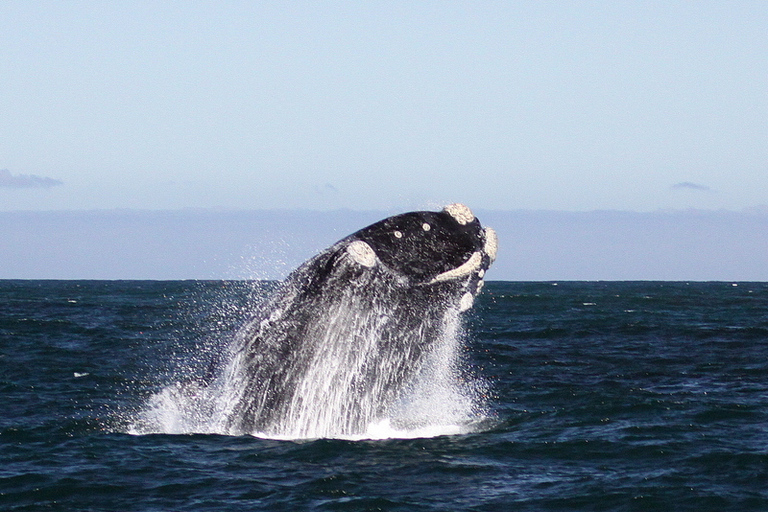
685	245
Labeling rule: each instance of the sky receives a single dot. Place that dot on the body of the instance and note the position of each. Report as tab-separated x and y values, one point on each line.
530	105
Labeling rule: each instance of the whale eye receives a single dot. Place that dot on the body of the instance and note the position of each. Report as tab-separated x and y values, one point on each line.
426	227
398	234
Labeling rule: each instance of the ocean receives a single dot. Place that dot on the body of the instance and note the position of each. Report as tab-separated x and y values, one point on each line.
615	396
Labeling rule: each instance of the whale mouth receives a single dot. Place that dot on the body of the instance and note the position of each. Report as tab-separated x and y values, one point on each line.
477	263
470	266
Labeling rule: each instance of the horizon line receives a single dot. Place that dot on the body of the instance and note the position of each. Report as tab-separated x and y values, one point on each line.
754	210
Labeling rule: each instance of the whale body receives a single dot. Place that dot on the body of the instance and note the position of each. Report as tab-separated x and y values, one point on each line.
343	336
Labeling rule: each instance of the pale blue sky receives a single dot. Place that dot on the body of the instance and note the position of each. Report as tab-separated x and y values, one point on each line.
384	105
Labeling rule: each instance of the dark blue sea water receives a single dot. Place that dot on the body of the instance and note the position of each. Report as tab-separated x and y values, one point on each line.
603	396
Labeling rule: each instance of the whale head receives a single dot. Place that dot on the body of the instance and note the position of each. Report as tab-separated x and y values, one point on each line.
427	247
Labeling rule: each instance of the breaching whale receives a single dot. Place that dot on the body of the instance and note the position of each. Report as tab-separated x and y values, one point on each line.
345	333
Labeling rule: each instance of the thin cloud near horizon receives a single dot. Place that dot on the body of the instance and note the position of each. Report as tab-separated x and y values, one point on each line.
688	185
8	180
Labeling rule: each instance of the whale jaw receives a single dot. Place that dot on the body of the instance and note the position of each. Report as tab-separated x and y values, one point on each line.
477	263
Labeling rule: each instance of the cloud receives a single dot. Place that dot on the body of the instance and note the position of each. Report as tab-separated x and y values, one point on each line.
8	180
326	189
687	185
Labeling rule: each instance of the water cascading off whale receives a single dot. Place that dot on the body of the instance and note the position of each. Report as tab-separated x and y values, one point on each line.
343	336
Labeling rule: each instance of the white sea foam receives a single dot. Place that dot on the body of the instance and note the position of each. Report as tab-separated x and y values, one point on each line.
438	401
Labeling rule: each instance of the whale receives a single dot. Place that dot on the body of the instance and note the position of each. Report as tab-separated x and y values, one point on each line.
340	340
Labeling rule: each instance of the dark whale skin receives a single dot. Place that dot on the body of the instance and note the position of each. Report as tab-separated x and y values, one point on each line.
364	312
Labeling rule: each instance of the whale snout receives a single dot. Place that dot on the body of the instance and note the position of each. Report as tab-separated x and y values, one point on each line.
486	246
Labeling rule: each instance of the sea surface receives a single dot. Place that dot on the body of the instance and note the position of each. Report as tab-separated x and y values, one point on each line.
615	396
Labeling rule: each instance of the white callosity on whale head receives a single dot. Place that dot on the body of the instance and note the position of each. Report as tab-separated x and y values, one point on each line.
491	245
460	212
466	302
466	268
362	253
463	215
